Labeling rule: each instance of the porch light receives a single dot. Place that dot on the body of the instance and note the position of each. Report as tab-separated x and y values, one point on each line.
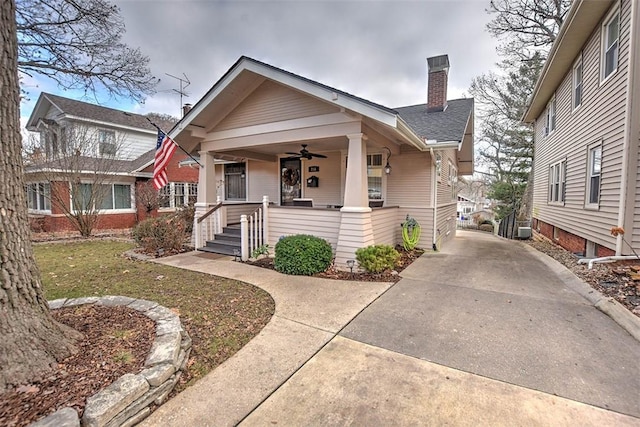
350	264
387	167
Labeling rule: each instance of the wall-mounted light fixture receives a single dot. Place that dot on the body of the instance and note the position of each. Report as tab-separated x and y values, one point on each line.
387	167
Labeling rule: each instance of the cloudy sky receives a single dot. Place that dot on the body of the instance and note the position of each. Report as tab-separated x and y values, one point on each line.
376	50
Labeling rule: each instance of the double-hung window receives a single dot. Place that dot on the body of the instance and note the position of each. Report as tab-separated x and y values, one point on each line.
593	176
106	142
453	181
39	196
577	83
610	44
550	122
374	176
178	194
105	197
557	182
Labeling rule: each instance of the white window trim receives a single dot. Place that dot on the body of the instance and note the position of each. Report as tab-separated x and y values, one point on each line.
579	62
439	167
562	182
603	41
172	195
132	209
587	203
453	180
551	105
38	210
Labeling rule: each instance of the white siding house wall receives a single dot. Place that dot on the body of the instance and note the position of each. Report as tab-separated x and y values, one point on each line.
262	180
329	189
600	119
288	221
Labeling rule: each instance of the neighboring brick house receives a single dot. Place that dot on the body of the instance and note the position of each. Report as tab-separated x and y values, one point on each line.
585	112
111	148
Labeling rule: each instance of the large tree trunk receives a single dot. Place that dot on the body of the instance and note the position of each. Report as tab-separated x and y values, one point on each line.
30	340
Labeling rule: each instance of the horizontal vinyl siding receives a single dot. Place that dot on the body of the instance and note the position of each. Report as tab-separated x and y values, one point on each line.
424	216
272	102
235	211
445	191
600	118
386	226
328	191
263	180
446	223
287	221
409	183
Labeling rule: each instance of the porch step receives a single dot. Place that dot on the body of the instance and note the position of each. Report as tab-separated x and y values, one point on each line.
225	242
220	247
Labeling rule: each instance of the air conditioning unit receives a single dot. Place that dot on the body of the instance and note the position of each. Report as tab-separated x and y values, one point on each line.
524	232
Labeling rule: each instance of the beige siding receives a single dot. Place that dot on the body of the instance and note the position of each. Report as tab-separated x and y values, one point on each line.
424	216
446	223
329	188
409	184
235	210
263	180
600	118
386	226
287	221
272	102
445	186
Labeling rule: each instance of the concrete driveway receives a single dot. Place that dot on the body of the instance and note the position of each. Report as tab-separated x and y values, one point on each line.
482	333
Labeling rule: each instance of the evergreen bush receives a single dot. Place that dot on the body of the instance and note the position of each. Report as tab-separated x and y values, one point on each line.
302	255
377	258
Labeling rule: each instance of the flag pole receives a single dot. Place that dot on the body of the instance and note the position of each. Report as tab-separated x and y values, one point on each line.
179	146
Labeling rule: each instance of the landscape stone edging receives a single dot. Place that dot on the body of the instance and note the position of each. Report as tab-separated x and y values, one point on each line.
126	401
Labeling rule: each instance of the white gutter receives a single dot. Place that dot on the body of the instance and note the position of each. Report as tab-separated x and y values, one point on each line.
434	186
626	144
444	145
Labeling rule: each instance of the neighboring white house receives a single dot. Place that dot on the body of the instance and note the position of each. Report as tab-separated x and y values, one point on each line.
110	148
587	126
264	121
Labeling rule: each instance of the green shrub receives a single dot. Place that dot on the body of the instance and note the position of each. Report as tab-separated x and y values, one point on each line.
302	255
377	258
165	232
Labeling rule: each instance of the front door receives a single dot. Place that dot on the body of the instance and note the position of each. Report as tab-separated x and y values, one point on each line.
290	176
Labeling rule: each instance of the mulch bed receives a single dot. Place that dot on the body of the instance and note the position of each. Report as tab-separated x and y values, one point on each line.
614	280
116	341
406	258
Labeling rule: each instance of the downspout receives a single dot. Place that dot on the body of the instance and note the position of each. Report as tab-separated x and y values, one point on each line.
626	145
434	190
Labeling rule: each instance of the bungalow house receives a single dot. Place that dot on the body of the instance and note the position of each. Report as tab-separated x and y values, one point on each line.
302	157
96	146
585	112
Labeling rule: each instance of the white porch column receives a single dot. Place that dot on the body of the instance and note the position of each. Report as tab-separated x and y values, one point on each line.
356	230
206	198
356	187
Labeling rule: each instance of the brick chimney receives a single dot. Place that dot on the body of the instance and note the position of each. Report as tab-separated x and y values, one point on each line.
185	109
437	86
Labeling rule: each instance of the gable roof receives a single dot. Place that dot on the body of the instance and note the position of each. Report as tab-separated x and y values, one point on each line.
409	126
442	126
72	108
581	19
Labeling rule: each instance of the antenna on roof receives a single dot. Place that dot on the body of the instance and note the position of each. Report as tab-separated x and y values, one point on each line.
184	83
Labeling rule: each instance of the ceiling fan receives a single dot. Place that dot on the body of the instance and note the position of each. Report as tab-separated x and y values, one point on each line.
304	153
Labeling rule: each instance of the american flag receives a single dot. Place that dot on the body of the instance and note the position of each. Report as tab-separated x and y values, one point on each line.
164	150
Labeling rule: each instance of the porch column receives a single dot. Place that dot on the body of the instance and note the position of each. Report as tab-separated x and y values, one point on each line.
356	230
356	188
206	199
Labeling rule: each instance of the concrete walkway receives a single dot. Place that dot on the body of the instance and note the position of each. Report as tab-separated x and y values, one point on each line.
484	333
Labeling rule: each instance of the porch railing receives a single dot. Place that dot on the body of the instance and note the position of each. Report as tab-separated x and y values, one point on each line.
208	224
254	229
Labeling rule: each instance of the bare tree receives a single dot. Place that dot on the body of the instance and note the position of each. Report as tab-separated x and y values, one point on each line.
80	163
32	341
78	45
526	27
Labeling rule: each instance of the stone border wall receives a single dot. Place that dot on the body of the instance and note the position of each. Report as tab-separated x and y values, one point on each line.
126	401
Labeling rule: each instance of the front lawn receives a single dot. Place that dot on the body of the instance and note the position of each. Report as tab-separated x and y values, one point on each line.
220	315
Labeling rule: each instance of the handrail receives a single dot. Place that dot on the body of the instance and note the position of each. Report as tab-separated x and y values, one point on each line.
209	212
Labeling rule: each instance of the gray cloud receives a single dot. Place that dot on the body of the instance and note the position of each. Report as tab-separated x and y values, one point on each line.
373	49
